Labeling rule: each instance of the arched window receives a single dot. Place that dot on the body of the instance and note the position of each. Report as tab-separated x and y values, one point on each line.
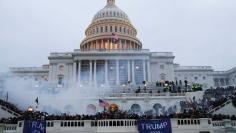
157	107
135	108
91	109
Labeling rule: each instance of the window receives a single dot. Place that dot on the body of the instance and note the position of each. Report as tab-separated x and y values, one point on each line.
106	29
204	78
115	28
196	78
162	66
163	76
60	80
120	29
110	28
101	29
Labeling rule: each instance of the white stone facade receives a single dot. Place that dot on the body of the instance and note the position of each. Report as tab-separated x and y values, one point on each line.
111	54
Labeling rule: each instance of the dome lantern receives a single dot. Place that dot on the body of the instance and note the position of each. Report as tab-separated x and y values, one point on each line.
111	2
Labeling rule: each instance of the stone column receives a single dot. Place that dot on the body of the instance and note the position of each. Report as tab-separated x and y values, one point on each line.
106	71
144	70
90	72
74	71
125	46
133	72
108	43
149	71
103	45
120	45
95	73
79	70
117	72
129	72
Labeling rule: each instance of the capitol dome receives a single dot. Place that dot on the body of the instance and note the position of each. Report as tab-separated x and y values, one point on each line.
110	29
111	11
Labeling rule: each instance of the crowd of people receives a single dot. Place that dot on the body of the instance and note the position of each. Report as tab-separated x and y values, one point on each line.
10	106
167	86
187	114
191	108
212	98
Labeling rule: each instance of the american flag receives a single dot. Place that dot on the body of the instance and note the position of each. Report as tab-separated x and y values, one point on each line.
103	103
115	36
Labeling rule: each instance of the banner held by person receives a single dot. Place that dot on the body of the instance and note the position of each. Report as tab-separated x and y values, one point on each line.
154	126
34	126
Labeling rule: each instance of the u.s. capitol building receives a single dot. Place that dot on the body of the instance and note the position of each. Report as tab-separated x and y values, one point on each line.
112	55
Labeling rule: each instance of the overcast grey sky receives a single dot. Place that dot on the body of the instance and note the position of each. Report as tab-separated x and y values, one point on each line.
199	32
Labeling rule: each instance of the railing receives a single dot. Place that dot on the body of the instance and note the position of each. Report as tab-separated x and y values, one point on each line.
125	124
146	94
219	72
68	54
162	54
225	72
220	106
10	127
218	124
109	51
27	69
9	111
195	67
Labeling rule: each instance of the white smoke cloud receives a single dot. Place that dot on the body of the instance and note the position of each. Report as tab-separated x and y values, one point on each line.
23	93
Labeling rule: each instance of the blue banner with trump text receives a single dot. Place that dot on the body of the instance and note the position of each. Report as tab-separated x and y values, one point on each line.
154	126
34	127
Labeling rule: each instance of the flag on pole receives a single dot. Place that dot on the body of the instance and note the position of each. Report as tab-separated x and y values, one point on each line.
115	36
37	102
103	103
